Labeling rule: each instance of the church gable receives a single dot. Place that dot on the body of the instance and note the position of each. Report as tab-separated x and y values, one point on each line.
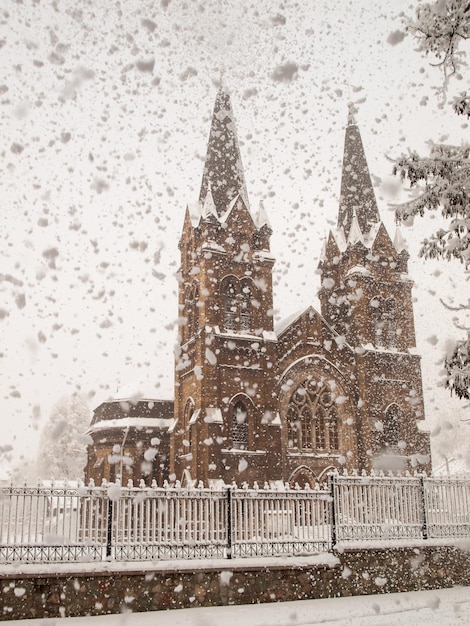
317	405
237	233
332	250
383	253
308	334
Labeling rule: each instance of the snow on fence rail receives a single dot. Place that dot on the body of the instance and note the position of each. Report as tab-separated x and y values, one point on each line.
64	523
383	508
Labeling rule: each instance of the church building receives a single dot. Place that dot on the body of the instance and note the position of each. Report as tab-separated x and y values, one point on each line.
253	402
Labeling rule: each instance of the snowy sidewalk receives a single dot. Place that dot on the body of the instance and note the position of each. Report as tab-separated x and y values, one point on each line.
443	607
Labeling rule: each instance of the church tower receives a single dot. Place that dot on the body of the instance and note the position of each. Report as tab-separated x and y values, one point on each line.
225	407
366	297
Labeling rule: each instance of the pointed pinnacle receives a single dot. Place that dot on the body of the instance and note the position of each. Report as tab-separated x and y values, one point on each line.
223	166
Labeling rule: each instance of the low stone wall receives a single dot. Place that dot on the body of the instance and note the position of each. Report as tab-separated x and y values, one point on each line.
98	589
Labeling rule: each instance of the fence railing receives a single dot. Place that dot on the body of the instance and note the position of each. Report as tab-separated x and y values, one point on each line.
61	523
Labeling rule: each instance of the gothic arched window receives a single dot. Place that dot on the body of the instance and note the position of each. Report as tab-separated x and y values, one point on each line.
230	305
376	307
312	419
245	307
237	298
390	323
191	300
187	428
239	427
188	328
195	305
384	315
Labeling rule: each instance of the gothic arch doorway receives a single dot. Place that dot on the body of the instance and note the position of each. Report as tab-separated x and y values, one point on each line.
323	476
302	476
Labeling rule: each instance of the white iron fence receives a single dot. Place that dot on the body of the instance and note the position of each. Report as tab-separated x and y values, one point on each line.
378	508
61	523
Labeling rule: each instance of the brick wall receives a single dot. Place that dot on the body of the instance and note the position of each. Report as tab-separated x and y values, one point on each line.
72	591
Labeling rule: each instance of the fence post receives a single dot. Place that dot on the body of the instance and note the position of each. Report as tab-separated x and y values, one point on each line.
229	523
331	485
424	508
109	531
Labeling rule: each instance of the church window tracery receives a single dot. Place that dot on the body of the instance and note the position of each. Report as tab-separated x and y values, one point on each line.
237	304
312	418
239	426
245	307
230	305
385	322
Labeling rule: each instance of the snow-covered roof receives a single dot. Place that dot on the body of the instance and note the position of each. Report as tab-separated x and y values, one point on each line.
263	255
267	335
281	326
212	246
132	422
358	269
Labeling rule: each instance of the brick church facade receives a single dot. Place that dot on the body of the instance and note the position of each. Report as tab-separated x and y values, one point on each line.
339	387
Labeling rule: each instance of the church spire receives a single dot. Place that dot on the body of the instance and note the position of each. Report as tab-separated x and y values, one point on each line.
357	194
223	170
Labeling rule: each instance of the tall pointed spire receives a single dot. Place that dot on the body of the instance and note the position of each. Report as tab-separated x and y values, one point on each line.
223	168
357	193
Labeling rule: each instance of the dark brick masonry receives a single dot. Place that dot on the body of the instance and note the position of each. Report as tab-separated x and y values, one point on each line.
159	586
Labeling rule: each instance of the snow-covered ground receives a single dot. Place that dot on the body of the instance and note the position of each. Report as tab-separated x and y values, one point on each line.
443	607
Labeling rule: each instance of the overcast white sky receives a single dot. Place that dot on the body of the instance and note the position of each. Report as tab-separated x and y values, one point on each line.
105	111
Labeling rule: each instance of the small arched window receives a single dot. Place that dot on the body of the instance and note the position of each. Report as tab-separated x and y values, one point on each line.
188	413
188	327
239	427
245	307
390	323
191	300
376	309
384	315
230	305
195	307
187	428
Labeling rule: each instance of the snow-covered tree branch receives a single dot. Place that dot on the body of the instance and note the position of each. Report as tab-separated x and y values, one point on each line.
439	28
442	179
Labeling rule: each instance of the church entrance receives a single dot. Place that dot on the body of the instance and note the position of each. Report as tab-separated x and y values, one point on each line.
302	476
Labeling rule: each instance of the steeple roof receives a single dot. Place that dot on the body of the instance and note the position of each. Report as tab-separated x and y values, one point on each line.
223	170
357	194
